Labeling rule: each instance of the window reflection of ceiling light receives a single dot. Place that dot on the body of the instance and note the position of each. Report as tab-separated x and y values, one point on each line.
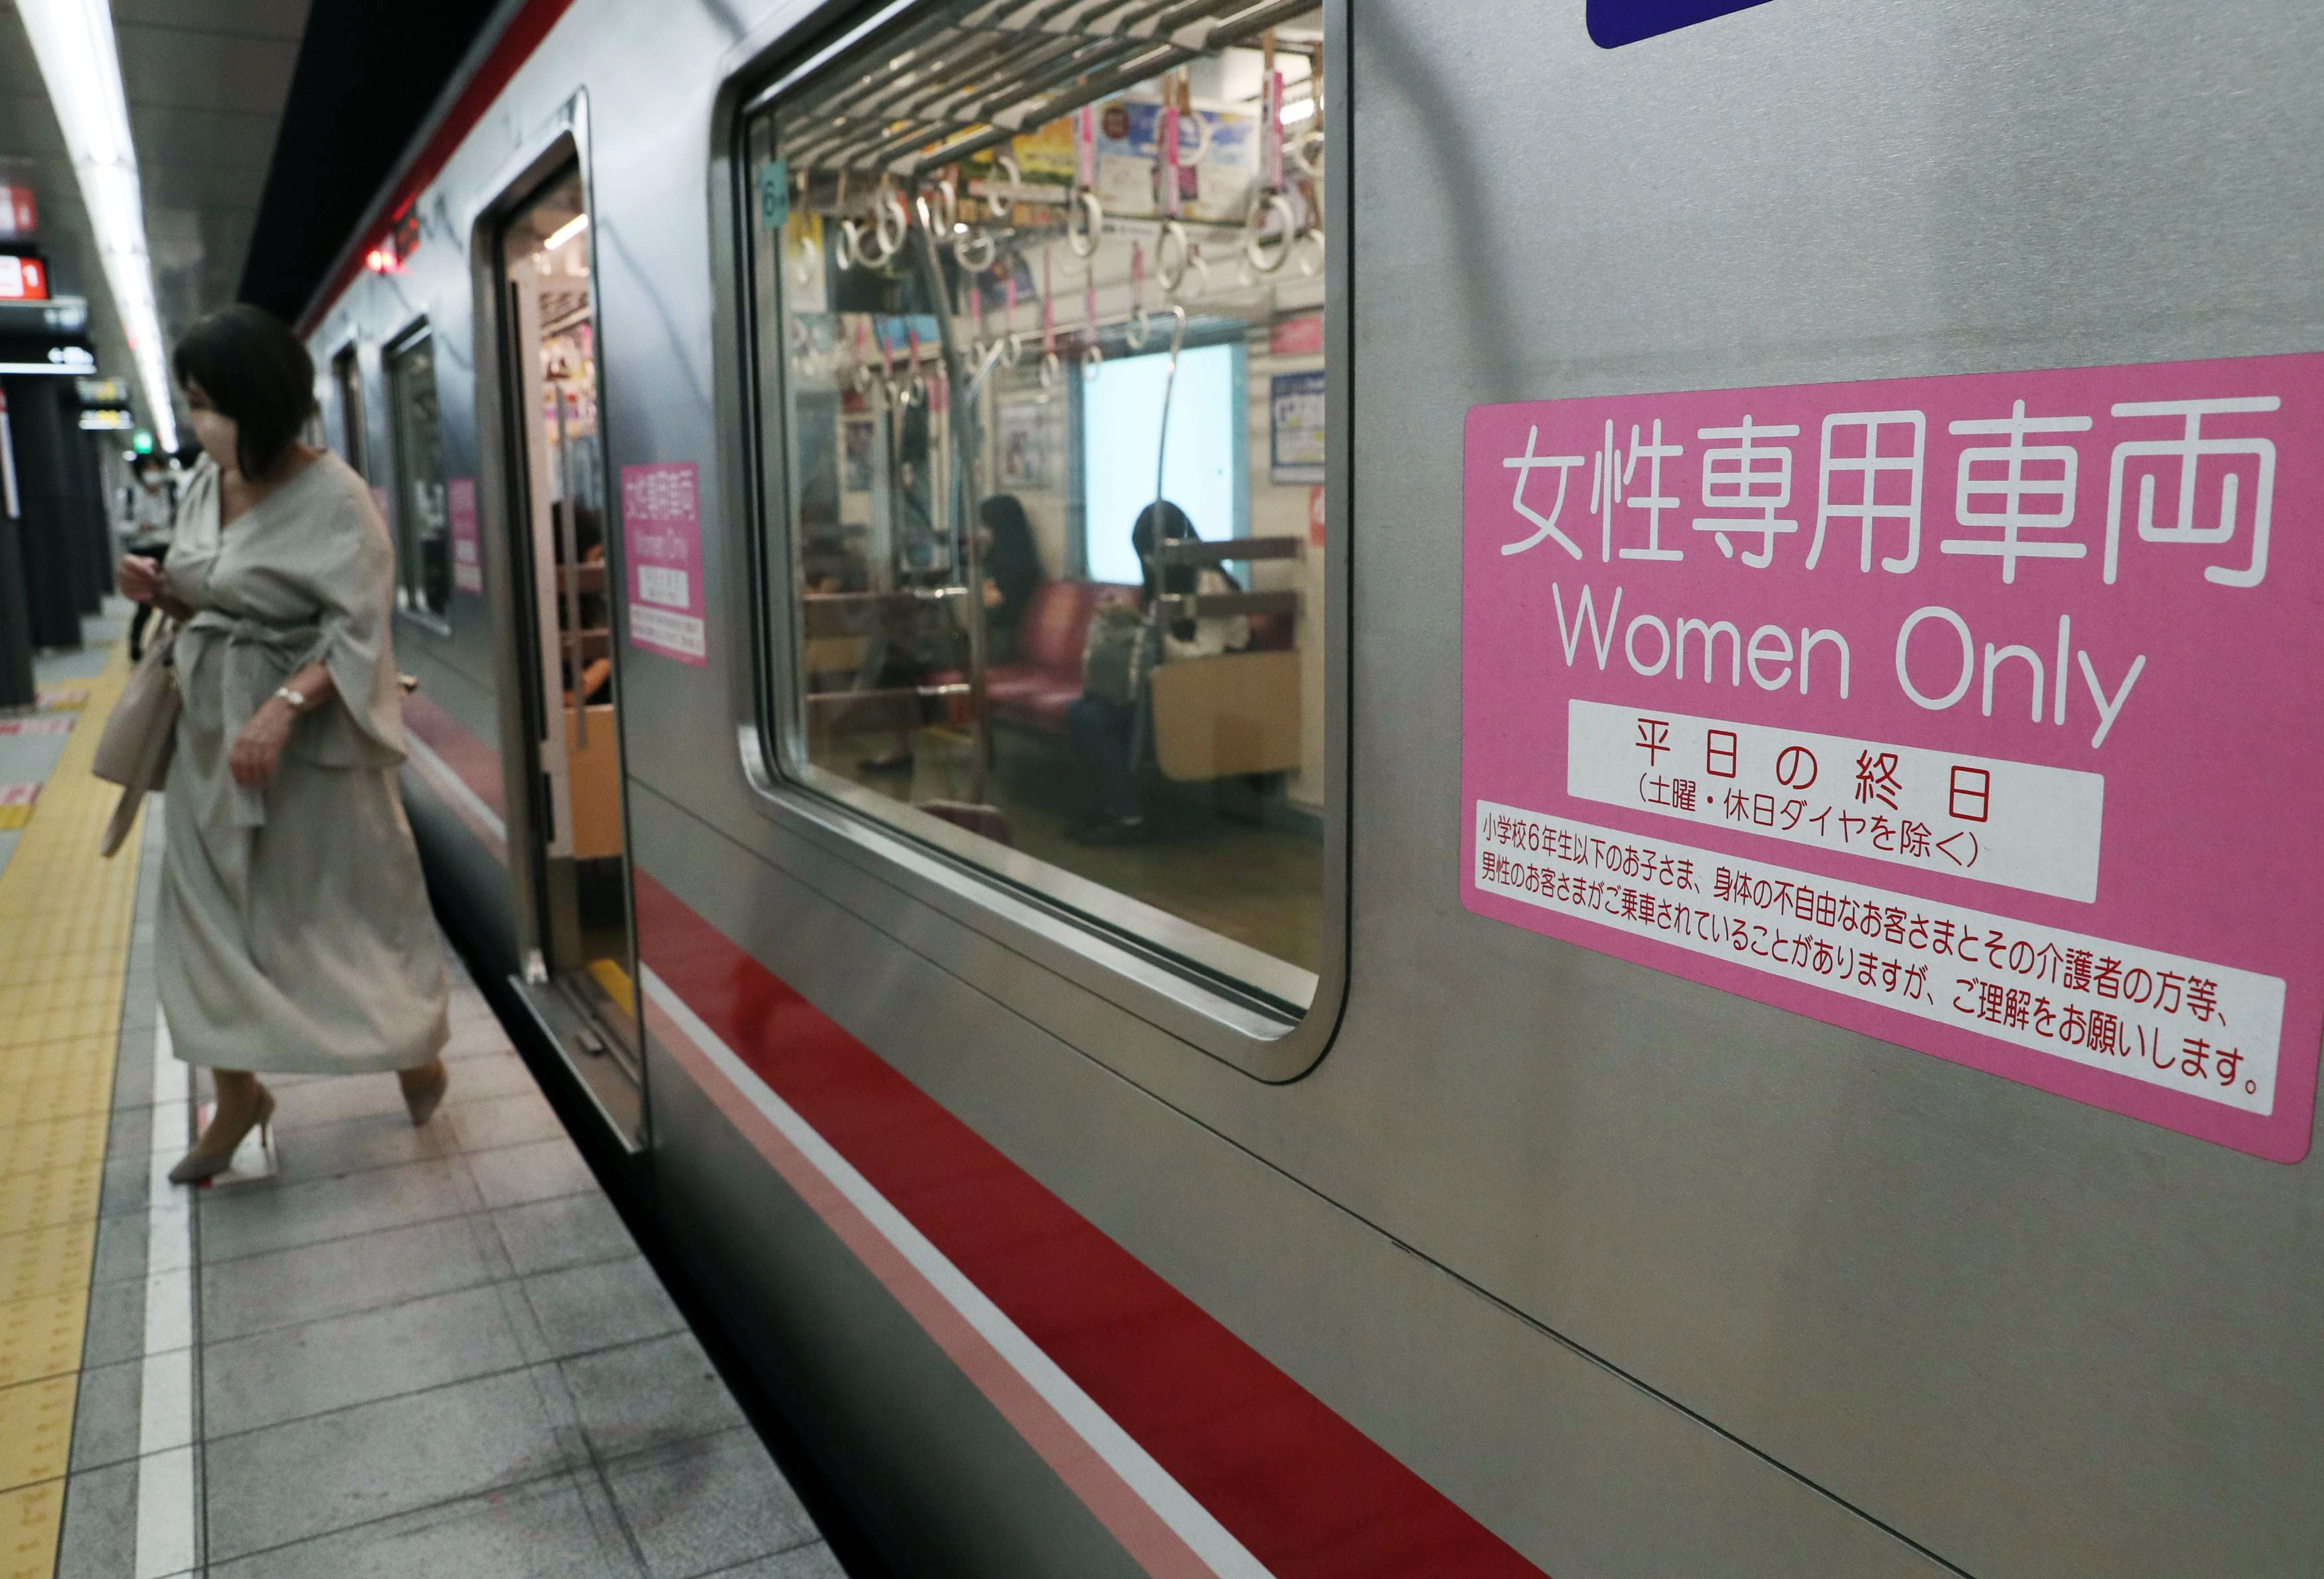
1293	113
566	232
73	41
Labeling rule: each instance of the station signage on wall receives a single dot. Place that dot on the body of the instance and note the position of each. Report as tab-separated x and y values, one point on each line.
1974	713
20	213
23	279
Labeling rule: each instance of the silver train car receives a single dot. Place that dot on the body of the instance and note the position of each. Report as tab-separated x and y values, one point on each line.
1224	1047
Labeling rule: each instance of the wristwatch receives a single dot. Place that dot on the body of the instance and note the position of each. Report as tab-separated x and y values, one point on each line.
297	699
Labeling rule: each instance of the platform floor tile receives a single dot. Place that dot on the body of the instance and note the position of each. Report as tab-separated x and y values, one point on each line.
411	1351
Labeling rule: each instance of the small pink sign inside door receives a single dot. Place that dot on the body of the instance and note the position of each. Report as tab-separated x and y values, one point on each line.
467	545
661	531
1974	713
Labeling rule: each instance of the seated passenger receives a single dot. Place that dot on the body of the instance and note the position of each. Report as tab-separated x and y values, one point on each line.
1103	722
1013	572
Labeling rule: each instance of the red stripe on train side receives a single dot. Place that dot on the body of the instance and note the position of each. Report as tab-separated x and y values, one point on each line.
1306	1493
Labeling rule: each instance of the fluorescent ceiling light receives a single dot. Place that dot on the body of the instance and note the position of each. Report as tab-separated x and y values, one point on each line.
73	41
566	232
1293	113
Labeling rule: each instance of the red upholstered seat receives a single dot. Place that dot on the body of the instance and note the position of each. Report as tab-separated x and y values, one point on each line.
1035	689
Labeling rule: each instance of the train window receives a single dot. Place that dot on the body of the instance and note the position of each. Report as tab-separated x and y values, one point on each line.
346	377
422	522
1042	452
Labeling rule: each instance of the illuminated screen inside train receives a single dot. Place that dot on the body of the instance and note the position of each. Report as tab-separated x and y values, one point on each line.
1043	468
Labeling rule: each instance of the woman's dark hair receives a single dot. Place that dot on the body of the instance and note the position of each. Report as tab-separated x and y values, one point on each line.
254	370
1014	564
1178	579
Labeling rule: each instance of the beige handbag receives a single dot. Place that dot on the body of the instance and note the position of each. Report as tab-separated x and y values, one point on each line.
134	749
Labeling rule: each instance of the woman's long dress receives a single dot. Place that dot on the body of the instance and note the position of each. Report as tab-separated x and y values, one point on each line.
295	935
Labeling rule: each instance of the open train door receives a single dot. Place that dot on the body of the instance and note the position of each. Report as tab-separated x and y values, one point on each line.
577	938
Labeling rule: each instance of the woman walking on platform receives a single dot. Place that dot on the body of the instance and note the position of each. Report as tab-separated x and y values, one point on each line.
295	935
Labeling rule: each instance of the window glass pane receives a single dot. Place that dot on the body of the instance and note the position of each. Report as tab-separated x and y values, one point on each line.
423	525
1122	410
347	373
1000	640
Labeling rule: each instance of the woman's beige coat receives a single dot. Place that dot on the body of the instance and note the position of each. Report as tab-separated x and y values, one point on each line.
295	935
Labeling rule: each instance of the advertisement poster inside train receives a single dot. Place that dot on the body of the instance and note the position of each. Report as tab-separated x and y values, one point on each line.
1976	713
661	536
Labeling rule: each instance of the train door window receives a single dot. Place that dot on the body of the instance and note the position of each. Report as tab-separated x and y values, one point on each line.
422	524
346	378
584	965
1042	448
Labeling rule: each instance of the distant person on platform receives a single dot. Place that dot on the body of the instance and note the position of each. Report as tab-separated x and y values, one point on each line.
295	936
151	513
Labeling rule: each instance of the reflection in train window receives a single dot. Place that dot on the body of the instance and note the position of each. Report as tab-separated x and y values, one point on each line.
423	544
346	377
1043	447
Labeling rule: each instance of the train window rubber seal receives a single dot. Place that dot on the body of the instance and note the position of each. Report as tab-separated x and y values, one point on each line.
1268	1035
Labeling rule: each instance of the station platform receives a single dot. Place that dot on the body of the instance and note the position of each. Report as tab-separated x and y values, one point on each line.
373	1350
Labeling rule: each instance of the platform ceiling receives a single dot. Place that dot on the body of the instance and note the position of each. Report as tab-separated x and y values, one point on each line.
206	81
261	140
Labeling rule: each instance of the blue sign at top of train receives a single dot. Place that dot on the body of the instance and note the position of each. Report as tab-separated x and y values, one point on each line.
1616	22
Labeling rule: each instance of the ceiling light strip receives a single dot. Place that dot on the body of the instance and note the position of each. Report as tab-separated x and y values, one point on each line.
73	41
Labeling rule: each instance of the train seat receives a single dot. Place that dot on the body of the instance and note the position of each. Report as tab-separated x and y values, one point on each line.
1035	687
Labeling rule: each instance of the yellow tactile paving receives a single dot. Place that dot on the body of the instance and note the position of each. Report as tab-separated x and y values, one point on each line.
50	1259
42	1203
40	1337
41	1415
61	993
29	1518
50	1144
48	1069
66	914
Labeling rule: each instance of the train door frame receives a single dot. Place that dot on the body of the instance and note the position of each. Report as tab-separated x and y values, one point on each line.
614	1075
1065	953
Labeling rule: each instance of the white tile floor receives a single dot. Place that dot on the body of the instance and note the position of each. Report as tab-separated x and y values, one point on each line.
412	1351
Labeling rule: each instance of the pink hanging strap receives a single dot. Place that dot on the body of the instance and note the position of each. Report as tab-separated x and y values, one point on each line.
1271	132
1169	139
1085	148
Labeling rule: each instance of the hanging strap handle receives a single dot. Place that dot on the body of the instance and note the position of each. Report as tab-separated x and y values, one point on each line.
1140	326
1048	326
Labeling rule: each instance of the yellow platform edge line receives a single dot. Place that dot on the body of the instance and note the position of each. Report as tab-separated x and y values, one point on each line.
61	898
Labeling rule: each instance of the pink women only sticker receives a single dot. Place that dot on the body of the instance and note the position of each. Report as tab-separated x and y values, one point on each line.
661	529
467	545
1973	713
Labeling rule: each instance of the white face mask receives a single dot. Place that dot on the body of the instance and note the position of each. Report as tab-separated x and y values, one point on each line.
217	434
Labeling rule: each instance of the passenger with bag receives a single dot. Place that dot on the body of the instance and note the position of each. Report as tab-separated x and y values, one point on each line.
1106	722
295	935
152	516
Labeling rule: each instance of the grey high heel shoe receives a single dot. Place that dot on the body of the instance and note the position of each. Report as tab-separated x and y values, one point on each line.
219	1142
